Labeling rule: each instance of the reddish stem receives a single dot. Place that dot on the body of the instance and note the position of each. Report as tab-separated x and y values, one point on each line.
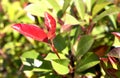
54	49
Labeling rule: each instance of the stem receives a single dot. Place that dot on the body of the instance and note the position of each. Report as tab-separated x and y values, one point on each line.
90	28
54	49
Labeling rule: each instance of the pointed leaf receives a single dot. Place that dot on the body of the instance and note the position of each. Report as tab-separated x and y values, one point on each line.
69	19
89	4
32	31
80	8
88	61
84	45
50	24
98	7
111	10
65	5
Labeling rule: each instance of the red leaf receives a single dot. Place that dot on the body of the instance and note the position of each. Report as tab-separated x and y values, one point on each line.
50	24
32	31
117	34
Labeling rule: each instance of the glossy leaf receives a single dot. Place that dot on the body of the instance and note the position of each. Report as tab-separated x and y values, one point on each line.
112	10
88	61
84	45
98	7
31	31
69	19
80	8
60	66
34	62
59	42
45	67
50	24
29	54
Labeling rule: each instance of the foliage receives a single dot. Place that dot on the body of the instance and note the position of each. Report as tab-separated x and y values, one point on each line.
62	39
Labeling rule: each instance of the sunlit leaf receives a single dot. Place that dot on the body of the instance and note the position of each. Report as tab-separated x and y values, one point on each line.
80	8
89	4
69	19
50	24
52	56
29	54
36	9
54	4
112	10
60	66
32	31
30	60
98	7
66	5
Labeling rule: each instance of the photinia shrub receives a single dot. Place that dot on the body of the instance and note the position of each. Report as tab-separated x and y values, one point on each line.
64	39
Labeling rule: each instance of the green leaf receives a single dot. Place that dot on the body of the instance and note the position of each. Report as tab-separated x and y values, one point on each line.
66	5
98	7
60	66
112	18
88	61
84	45
80	8
37	9
30	54
69	19
54	4
111	10
89	4
29	58
59	42
52	56
33	61
45	67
